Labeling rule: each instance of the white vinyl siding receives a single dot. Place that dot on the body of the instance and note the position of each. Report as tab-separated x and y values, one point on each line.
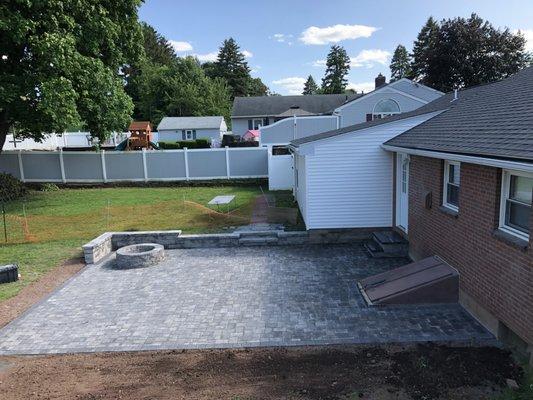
350	178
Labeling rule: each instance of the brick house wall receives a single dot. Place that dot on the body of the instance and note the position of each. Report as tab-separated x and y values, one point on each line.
496	273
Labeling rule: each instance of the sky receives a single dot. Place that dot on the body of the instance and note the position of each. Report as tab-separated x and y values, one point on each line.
286	41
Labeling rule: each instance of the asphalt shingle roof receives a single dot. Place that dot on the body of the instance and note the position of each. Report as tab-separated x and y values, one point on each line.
173	123
274	105
493	120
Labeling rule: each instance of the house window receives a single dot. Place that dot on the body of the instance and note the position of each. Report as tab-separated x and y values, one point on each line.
452	182
385	108
515	210
257	123
189	134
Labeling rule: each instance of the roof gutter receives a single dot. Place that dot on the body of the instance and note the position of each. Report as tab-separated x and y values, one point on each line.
489	162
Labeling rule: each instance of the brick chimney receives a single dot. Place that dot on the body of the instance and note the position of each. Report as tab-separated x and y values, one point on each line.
380	81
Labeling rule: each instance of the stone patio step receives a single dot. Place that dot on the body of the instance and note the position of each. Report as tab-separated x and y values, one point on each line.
258	241
376	252
390	242
247	234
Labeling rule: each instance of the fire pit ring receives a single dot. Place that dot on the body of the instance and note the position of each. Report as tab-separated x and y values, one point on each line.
139	255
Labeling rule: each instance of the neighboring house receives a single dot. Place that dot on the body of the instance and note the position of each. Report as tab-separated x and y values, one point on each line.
455	177
251	113
172	129
384	101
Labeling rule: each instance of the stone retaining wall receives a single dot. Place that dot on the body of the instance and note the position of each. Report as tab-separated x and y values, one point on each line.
105	244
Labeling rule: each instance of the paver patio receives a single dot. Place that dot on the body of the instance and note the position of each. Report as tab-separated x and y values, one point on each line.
230	297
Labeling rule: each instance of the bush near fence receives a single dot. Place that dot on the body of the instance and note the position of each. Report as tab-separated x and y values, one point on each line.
190	144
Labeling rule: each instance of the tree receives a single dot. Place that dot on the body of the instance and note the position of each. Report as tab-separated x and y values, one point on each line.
463	52
422	48
310	86
337	67
60	63
400	66
157	51
256	87
180	89
232	66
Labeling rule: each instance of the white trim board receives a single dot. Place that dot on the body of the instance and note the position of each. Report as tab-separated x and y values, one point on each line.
490	162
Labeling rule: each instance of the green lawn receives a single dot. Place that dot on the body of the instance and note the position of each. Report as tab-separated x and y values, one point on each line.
46	228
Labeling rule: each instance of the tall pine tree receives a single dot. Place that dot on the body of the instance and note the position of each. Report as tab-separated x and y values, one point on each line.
310	86
422	48
337	67
400	66
232	66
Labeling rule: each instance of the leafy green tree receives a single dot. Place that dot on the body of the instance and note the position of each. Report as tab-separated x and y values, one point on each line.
256	87
337	67
400	66
310	86
60	63
181	89
232	67
466	52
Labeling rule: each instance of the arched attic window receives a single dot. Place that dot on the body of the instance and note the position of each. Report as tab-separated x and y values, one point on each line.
385	108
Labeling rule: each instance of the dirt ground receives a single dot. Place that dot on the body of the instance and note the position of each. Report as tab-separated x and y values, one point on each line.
347	372
15	306
340	372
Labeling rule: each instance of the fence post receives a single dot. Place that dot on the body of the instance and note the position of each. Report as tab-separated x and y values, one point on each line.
186	158
228	174
145	169
62	165
21	167
104	172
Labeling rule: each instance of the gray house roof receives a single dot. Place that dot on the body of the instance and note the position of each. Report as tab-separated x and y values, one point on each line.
440	104
176	123
265	106
494	120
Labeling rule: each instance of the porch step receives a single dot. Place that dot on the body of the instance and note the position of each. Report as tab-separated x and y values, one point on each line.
258	241
390	241
376	252
387	244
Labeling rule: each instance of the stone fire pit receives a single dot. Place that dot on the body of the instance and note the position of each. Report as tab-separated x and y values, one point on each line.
139	255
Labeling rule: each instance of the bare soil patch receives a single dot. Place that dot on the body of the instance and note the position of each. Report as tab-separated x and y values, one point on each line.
15	306
348	372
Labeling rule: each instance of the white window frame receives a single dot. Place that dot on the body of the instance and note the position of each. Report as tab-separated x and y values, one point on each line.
187	131
258	125
504	195
378	115
446	181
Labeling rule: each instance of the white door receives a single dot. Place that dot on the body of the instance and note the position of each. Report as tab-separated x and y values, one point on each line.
402	191
280	172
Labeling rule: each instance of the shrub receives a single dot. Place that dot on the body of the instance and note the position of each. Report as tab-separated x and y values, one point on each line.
168	146
10	188
203	143
244	144
49	187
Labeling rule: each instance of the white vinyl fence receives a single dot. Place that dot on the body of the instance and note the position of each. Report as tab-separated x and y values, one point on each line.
68	139
148	165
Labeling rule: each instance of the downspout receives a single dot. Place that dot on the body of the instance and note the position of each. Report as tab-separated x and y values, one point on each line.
336	114
294	127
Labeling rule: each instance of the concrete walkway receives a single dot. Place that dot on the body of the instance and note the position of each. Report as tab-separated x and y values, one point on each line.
230	297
